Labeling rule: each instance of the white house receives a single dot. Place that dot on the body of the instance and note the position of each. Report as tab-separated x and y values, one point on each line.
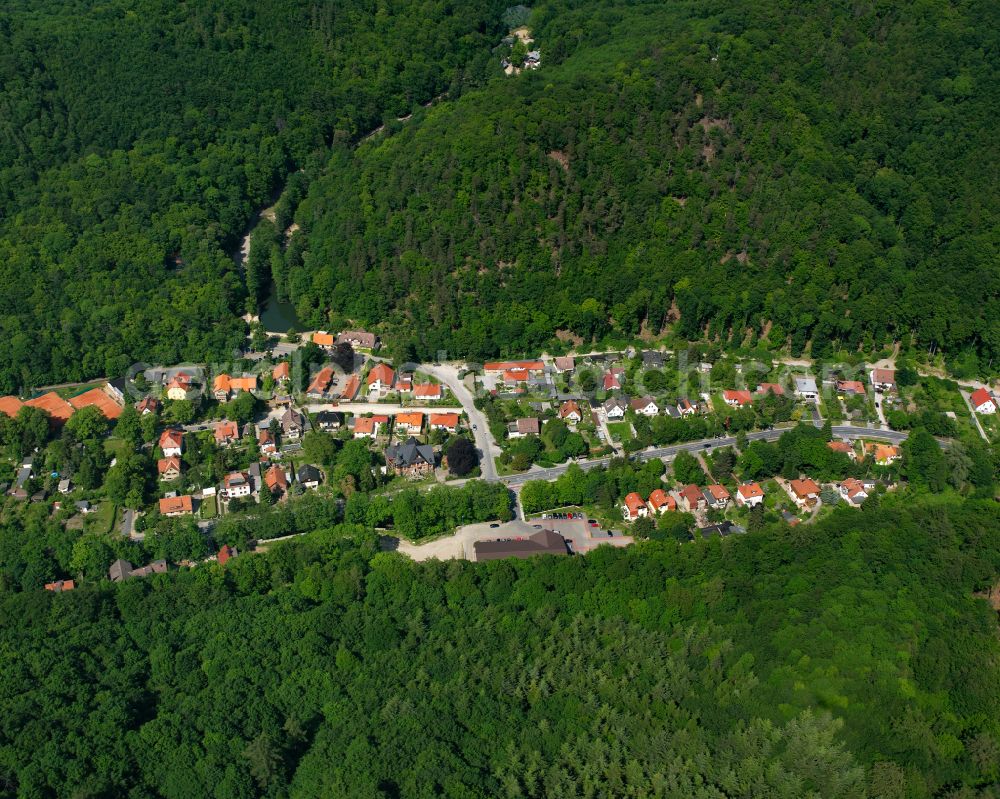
645	405
805	387
983	402
236	484
615	408
749	494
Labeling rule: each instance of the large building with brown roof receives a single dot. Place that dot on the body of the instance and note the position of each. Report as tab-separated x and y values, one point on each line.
544	542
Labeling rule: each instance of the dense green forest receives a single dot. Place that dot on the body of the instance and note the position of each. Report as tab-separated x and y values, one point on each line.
137	138
798	172
844	659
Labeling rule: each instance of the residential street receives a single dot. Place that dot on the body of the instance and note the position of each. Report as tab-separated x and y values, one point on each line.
839	431
448	374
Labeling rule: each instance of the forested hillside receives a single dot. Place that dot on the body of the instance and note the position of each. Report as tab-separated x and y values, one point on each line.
797	171
137	137
843	659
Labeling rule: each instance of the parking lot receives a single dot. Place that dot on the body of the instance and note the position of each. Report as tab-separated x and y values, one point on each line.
581	535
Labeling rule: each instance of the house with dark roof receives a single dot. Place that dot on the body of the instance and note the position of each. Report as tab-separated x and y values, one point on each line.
292	424
329	420
309	476
528	426
652	359
410	459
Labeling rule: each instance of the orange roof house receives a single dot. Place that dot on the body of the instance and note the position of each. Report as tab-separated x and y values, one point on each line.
719	493
168	468
444	421
634	507
100	399
369	425
886	454
850	387
842	446
171	440
804	491
427	391
736	398
226	432
570	410
225	554
175	506
381	376
57	408
691	497
10	405
660	501
516	376
275	479
283	371
351	387
410	422
321	382
323	339
749	494
771	388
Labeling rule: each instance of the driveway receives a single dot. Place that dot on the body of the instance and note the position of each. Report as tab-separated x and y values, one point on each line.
975	417
448	374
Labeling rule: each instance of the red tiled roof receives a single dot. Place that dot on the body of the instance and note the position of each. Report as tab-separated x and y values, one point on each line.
739	397
427	391
886	452
750	490
773	388
804	488
840	446
182	504
164	465
412	419
171	438
381	372
692	494
660	498
611	381
323	339
275	478
569	407
321	382
719	492
226	430
855	386
282	371
351	387
449	420
979	397
516	375
225	554
634	502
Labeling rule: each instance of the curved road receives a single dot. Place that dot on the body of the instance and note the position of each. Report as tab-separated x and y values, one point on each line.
480	425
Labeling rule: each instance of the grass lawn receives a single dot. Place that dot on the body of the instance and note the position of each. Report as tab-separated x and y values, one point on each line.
209	508
116	447
620	431
102	520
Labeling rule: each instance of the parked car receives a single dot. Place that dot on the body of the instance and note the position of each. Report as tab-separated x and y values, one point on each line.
494	525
